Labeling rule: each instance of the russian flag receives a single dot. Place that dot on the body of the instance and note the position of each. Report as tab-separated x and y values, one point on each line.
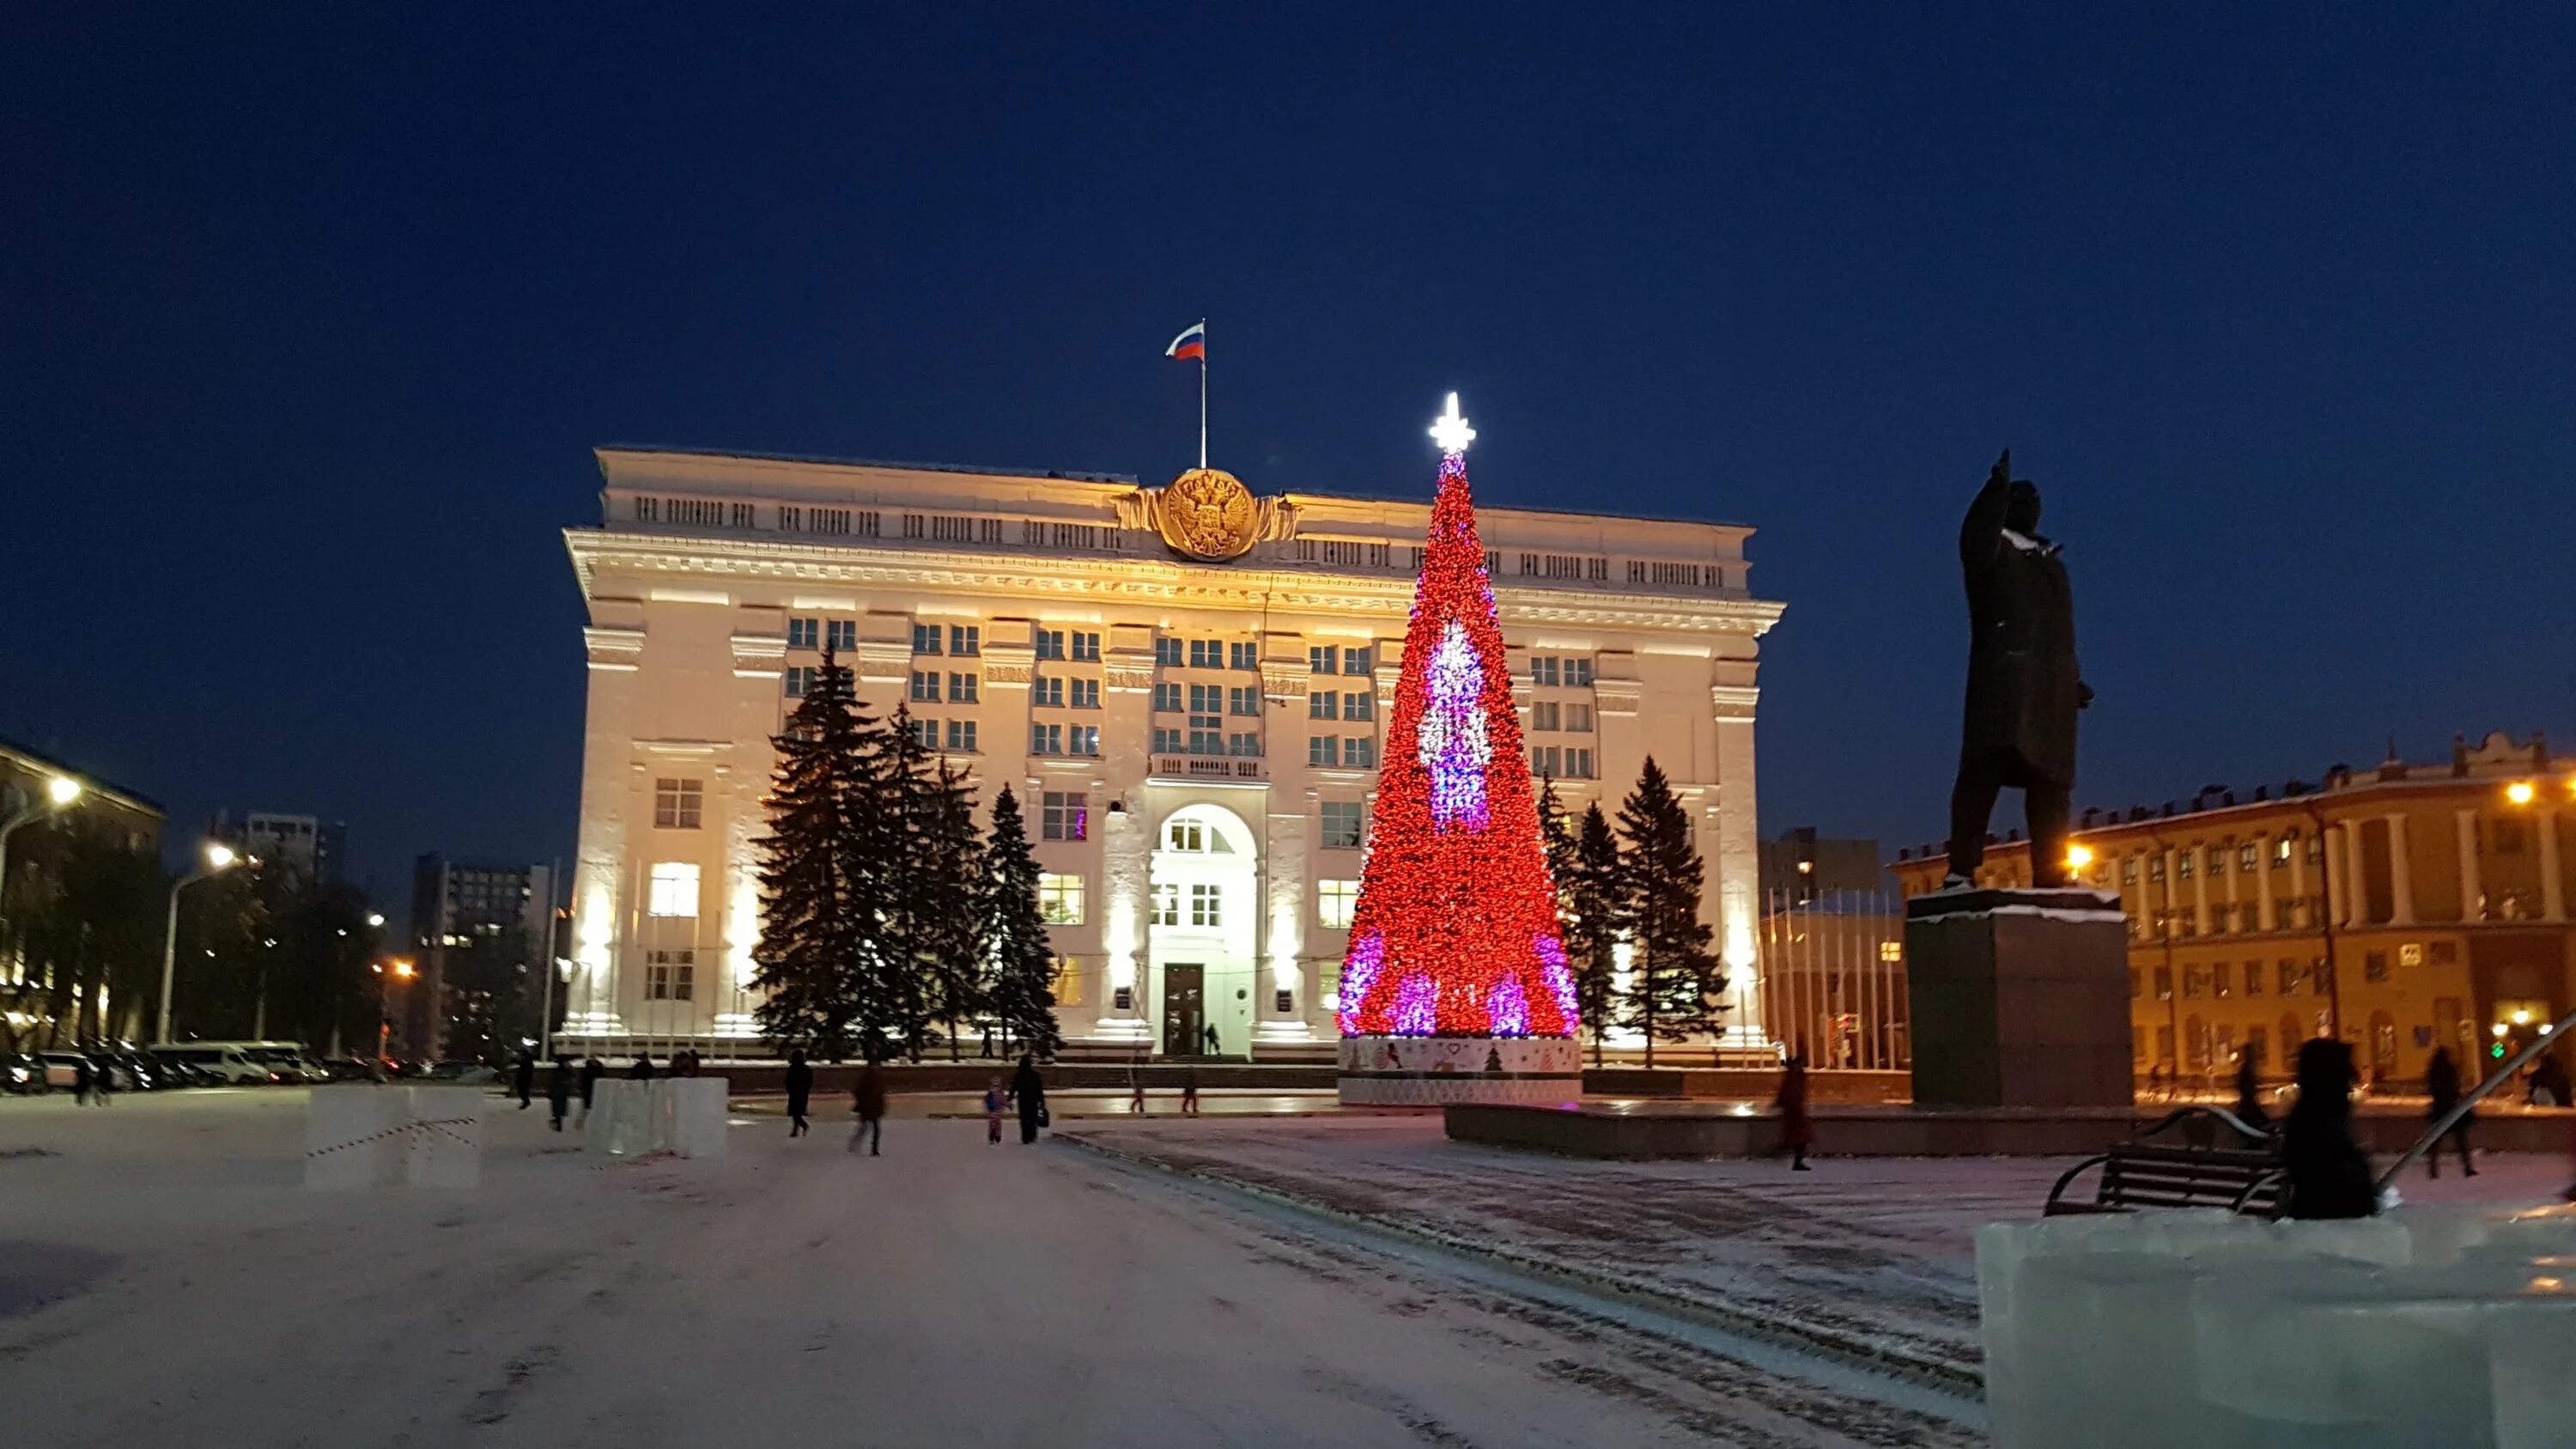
1192	343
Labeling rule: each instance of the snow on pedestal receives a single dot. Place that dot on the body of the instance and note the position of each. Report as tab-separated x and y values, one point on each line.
1456	973
2203	1328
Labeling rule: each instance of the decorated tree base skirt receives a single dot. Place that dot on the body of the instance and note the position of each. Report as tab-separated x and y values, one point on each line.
1427	1071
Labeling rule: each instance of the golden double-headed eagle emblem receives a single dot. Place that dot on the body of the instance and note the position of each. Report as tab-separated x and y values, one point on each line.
1207	513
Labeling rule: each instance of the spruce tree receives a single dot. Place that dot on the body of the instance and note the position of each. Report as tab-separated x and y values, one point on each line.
1596	923
1672	975
952	866
1018	957
1559	836
899	998
818	900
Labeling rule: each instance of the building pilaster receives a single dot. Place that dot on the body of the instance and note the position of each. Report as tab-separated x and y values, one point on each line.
2401	874
2473	891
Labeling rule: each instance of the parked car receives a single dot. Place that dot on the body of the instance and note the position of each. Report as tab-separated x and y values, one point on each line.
464	1074
22	1074
63	1069
127	1071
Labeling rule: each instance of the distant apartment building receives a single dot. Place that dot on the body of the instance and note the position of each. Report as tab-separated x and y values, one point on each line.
2404	907
1801	866
313	849
483	935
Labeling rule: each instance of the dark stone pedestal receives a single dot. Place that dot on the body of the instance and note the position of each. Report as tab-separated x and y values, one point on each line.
2020	998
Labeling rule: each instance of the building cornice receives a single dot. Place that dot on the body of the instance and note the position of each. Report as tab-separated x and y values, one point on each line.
597	551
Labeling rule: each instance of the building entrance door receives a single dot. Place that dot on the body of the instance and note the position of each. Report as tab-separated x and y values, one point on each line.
1184	1009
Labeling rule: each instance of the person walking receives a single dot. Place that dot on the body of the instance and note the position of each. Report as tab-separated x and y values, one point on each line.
1029	1090
2442	1084
995	1099
523	1078
1136	1082
2249	1092
559	1089
800	1091
869	1097
1797	1132
1213	1042
1190	1089
80	1081
102	1080
2329	1174
592	1069
642	1071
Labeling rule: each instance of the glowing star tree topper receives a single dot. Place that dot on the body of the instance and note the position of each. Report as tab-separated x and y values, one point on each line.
1455	934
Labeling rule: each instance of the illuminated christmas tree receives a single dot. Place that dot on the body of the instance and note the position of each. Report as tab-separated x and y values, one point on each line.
1456	930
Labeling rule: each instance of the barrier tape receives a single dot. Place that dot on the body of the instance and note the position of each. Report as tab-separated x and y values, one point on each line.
439	1125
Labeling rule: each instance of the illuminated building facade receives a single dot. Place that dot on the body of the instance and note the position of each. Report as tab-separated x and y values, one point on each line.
1186	687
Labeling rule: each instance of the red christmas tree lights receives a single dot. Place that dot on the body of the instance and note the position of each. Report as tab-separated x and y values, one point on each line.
1456	931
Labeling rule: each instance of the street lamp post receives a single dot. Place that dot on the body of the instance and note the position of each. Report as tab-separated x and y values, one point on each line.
219	858
60	792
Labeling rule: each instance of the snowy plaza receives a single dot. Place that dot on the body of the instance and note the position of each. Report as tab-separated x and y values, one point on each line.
1229	1280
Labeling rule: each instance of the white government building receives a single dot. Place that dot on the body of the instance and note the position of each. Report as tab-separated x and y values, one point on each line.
1184	685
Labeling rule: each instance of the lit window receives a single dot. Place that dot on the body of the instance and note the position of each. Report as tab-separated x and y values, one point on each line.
1082	739
1060	900
841	635
670	975
1207	905
677	803
1343	822
1167	905
1067	815
1336	901
1186	835
674	889
1066	986
804	633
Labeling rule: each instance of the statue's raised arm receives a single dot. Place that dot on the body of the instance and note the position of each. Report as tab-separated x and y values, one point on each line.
1983	531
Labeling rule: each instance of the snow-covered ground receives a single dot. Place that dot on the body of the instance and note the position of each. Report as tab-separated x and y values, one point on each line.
1873	1253
164	1278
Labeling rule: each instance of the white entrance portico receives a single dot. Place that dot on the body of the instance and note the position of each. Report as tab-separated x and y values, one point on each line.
1201	932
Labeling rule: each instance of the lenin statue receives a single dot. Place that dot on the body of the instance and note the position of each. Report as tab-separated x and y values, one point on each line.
2023	688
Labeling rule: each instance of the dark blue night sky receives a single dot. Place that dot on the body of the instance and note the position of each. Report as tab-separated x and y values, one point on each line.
308	321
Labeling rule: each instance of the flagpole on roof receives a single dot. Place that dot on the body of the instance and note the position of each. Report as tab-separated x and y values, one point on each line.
1202	393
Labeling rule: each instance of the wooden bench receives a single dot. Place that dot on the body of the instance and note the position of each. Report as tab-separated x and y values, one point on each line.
2244	1177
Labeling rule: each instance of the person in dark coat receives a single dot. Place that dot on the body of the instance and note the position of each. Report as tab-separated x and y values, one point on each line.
1028	1089
81	1075
2442	1084
559	1090
800	1090
1797	1129
592	1070
2329	1174
2023	685
523	1079
642	1071
2249	1092
868	1097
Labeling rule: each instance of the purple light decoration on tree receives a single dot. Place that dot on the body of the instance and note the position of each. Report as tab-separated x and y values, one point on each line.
1454	745
1509	1007
1417	1007
1553	970
1359	973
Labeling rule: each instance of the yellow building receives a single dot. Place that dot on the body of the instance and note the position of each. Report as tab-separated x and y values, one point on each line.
2405	907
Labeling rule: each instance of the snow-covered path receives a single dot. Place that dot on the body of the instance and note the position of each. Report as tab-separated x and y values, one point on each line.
946	1293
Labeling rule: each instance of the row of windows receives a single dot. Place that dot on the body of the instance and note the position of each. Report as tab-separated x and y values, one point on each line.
840	635
1205	741
1570	717
1174	653
925	687
1058	644
1208	699
962	639
959	737
1328	659
1341	704
1062	739
1571	670
674	894
1058	692
869	523
1563	763
1349	752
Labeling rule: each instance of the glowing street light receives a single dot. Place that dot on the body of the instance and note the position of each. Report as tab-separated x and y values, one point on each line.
219	858
60	792
2519	792
2078	857
376	919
